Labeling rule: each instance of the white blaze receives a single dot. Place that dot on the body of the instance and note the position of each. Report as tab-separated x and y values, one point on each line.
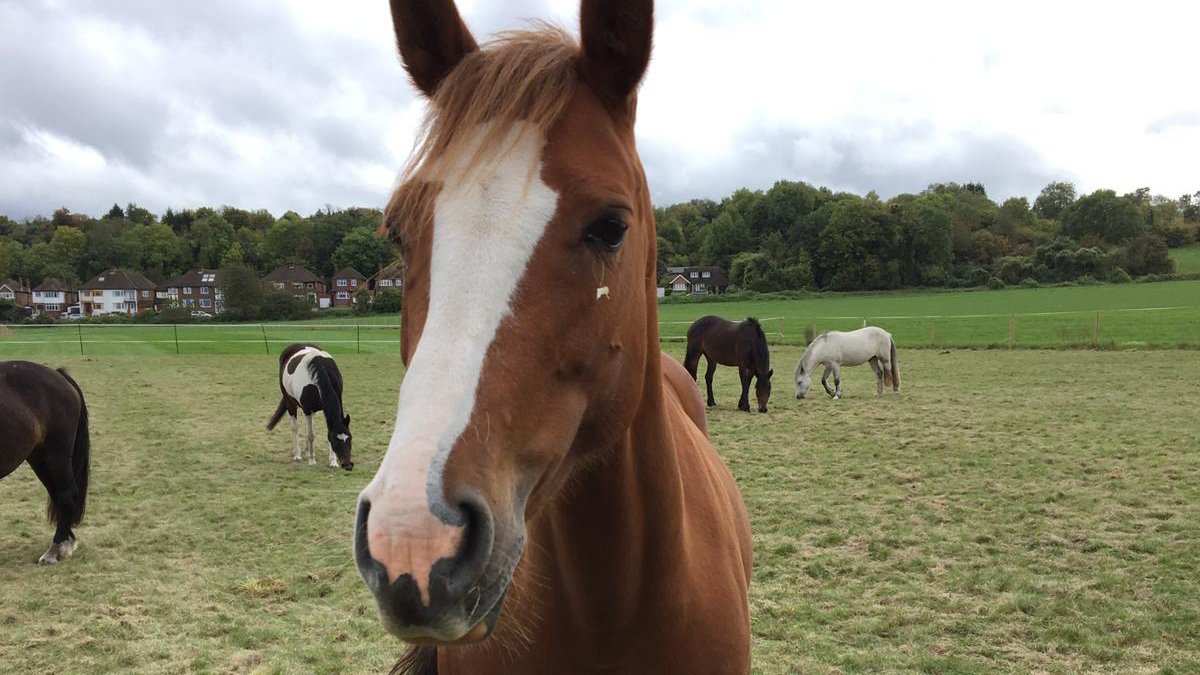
488	219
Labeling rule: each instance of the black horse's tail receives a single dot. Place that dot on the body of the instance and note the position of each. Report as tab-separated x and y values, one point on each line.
279	411
691	359
80	460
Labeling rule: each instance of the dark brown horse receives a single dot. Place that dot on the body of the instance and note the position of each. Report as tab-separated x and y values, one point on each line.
740	344
548	502
44	421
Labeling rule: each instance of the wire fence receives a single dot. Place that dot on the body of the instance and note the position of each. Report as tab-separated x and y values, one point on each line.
1160	327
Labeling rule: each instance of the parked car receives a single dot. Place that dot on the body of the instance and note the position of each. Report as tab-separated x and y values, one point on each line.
201	314
74	313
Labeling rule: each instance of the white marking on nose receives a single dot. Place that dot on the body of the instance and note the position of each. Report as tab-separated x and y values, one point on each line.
343	437
602	292
488	219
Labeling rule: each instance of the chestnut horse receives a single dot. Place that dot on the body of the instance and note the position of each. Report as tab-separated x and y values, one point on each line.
549	501
742	344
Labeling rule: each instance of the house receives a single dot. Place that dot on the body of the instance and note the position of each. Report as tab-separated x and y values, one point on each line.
11	289
346	283
697	280
117	292
52	298
388	278
297	281
197	290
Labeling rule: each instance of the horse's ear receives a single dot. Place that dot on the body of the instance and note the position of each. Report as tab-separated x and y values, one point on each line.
616	36
432	39
770	373
347	420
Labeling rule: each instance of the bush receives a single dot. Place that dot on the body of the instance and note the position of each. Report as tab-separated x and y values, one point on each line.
1146	255
278	306
1087	280
995	283
111	318
173	312
387	302
362	301
1118	275
10	312
1029	282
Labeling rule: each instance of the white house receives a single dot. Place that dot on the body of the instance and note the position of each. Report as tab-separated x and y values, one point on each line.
117	292
52	297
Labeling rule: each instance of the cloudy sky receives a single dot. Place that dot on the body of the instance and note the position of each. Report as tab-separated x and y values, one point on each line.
300	104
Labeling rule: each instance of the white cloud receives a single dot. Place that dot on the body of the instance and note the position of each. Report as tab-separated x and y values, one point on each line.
298	104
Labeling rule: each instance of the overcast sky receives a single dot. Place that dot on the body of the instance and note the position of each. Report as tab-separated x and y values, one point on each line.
294	105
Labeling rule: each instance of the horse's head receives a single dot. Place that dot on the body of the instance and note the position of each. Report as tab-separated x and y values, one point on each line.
762	390
340	440
529	309
803	379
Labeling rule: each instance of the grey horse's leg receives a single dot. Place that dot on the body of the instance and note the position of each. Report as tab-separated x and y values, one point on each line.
825	379
878	375
837	380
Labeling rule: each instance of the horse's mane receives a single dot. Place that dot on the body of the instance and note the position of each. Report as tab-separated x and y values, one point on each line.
329	379
519	76
762	355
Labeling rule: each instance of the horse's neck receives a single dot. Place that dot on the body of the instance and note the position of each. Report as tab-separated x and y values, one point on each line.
331	400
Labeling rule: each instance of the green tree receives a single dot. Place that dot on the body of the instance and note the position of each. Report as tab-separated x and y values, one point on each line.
363	251
387	302
1103	216
1054	199
243	291
210	238
857	250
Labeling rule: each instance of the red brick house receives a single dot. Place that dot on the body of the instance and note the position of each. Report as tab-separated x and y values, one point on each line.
296	281
196	290
346	283
11	289
696	280
388	278
52	298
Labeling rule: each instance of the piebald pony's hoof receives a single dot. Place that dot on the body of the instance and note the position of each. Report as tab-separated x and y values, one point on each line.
58	552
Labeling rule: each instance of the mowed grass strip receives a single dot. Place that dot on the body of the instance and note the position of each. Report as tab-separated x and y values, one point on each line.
1015	512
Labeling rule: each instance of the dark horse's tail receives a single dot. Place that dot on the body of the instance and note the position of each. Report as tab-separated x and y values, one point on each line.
895	372
79	460
279	411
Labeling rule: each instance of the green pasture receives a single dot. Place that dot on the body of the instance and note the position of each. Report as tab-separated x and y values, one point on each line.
1187	260
1013	512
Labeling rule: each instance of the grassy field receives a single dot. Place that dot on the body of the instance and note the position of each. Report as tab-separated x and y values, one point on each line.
1130	315
1044	317
1187	260
1028	511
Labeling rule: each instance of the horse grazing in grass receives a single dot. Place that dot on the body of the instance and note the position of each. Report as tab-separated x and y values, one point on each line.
310	381
740	344
836	349
548	502
44	421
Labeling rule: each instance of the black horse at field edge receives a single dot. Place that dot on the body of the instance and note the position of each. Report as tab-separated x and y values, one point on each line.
742	344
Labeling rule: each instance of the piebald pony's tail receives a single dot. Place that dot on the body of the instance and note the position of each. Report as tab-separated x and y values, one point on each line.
895	373
279	411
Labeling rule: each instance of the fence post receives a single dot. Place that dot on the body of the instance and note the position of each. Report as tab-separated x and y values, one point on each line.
79	326
1012	330
932	332
781	328
358	337
1096	332
266	347
176	327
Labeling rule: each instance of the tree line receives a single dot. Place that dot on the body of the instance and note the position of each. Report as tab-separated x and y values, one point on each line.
796	236
75	247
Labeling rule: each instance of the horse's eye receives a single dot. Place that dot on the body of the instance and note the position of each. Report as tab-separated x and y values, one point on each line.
607	233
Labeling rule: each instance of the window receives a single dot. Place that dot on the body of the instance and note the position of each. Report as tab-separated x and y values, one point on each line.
189	303
694	275
354	282
279	285
343	295
310	285
51	307
97	306
187	290
204	290
205	302
297	284
384	283
130	306
341	282
707	275
208	278
7	295
145	294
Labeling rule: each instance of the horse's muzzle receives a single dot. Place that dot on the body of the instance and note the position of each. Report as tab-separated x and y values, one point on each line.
457	604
